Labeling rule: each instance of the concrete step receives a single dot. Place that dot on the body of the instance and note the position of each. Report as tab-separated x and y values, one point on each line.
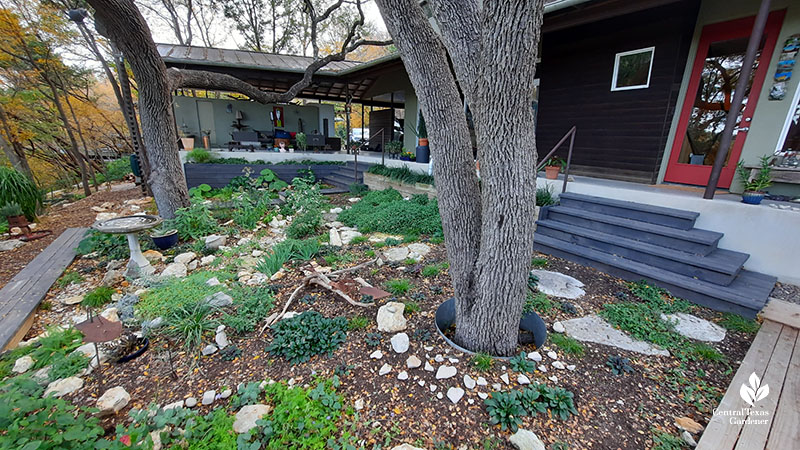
719	267
341	180
695	241
745	295
669	217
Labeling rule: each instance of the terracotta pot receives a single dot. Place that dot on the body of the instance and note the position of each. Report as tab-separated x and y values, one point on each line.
17	221
206	142
423	142
188	143
551	172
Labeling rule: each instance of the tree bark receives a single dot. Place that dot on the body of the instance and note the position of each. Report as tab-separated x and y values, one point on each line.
488	229
121	22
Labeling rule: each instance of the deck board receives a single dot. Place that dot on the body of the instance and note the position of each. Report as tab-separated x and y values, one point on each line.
22	295
774	356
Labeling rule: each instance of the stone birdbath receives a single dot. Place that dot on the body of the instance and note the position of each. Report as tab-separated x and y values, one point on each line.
129	226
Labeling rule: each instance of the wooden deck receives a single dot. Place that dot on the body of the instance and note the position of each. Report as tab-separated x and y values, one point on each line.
22	295
774	421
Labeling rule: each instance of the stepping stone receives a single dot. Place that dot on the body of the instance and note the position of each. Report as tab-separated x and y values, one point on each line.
592	328
696	328
557	284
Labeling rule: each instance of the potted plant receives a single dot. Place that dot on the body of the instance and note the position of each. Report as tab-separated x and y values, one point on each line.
187	138
394	148
552	167
755	184
14	215
164	236
301	140
423	150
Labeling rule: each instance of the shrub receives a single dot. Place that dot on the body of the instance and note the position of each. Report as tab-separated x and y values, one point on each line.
272	262
398	286
387	212
195	222
67	366
115	170
308	334
97	297
358	323
560	402
16	187
199	156
539	263
482	361
304	225
505	408
358	189
11	210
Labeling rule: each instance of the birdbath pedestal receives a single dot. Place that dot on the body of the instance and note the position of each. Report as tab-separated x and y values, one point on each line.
129	226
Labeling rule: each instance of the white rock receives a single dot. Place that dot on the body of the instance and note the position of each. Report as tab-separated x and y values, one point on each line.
206	260
552	355
432	387
21	365
445	372
359	404
226	393
377	354
63	387
185	258
176	269
505	379
213	282
113	400
695	328
542	368
553	378
215	241
535	356
469	382
208	397
221	339
334	238
419	248
497	386
526	440
429	367
455	394
348	235
559	365
413	362
439	358
400	343
247	416
406	447
483	395
482	381
453	360
42	376
439	395
402	375
390	317
10	244
110	314
73	300
571	367
687	437
209	349
219	300
174	405
396	254
191	402
557	284
386	368
523	379
336	210
558	327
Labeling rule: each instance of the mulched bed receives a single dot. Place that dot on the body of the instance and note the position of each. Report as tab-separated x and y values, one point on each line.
59	218
614	411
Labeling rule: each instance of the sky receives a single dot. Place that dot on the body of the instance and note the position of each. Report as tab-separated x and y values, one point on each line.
162	33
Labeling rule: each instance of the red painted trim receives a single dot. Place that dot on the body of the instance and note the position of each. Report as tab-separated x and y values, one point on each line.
695	174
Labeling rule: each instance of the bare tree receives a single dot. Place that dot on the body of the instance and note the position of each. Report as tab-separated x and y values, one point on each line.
122	23
488	226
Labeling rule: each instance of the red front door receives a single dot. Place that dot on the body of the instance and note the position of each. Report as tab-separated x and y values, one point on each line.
715	71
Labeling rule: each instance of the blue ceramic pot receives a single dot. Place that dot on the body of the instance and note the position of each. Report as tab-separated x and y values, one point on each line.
752	198
166	241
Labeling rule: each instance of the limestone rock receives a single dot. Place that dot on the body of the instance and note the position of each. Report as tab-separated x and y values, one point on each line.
219	300
406	447
377	354
335	240
185	258
559	365
482	381
535	356
396	254
174	405
221	338
176	269
386	368
469	382
153	256
359	404
247	416
390	317
523	379
558	327
213	282
429	367
209	349
400	343
526	440
557	284
594	329
455	394
402	375
206	260
552	355
695	328
74	300
348	235
687	437
10	244
505	378
112	277
214	241
63	387
113	400
208	397
445	372
110	314
191	402
23	364
413	362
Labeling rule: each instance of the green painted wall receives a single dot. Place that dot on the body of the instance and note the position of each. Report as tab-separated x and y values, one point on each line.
769	116
256	116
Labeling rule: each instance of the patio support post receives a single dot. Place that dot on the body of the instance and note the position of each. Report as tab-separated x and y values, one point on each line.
738	97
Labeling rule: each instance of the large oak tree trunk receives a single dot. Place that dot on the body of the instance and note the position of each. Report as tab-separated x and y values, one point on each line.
488	227
121	22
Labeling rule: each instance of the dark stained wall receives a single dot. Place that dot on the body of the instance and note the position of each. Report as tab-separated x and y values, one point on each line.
621	134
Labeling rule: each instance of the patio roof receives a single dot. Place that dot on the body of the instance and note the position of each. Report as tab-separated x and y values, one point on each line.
276	73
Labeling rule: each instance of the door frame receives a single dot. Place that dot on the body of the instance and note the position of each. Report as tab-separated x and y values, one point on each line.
685	173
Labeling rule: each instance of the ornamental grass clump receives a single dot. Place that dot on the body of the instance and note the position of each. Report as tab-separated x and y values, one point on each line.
16	187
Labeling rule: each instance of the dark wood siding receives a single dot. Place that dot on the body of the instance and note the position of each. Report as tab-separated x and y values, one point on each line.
621	134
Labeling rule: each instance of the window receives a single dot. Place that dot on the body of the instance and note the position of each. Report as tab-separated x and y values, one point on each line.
632	69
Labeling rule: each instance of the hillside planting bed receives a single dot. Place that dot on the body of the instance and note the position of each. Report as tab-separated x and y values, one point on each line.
231	365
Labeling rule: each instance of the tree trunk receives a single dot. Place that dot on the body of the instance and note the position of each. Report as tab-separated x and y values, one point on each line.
122	23
11	149
488	229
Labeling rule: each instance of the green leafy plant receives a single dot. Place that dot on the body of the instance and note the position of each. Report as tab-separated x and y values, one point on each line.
272	262
304	225
308	334
358	323
539	263
567	344
537	303
201	191
619	365
505	409
358	189
411	307
11	210
16	187
555	161
195	222
387	212
69	278
230	353
199	156
761	180
545	196
533	282
482	361
666	441
251	305
735	322
398	286
707	352
394	147
373	339
111	246
401	174
115	170
302	141
560	402
174	293
190	323
67	366
521	363
97	297
533	400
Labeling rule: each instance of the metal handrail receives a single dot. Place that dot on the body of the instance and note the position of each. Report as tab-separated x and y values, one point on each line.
571	135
